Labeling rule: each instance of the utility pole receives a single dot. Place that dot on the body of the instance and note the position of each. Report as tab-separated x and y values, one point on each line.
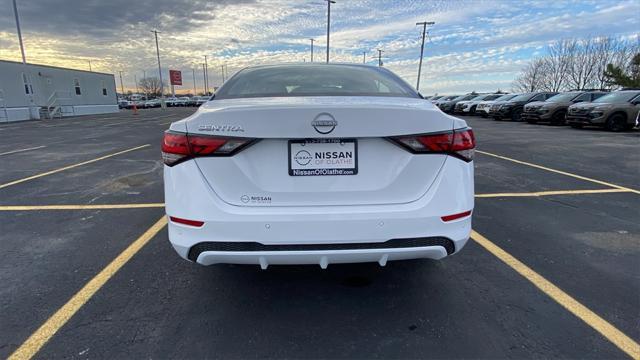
206	75
424	32
312	40
121	86
195	90
155	32
380	57
329	2
364	57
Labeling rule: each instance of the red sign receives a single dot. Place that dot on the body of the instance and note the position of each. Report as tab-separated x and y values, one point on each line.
176	77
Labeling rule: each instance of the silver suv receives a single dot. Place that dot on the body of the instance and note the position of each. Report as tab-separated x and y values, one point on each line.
554	109
616	111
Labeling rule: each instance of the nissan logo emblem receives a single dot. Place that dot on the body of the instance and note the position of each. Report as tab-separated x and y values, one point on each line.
324	123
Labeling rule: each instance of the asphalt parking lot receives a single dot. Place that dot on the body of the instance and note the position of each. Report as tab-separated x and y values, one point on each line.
87	270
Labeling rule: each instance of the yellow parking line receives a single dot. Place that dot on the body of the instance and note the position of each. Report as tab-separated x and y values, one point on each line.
549	193
40	337
610	332
70	167
78	207
560	172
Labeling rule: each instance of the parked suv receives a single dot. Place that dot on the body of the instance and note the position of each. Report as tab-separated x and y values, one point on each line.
469	107
555	108
484	107
449	106
513	108
616	111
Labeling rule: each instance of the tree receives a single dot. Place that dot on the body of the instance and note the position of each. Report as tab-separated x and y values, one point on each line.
616	75
557	64
150	86
531	78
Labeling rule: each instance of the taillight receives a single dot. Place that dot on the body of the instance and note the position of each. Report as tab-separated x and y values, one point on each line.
178	147
460	143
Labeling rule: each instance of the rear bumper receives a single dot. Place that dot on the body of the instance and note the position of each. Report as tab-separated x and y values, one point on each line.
209	253
317	235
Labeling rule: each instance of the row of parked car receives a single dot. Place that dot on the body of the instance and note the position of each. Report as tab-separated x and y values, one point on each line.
156	103
615	111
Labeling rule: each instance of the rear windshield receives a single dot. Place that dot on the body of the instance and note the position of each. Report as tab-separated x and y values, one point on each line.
617	97
314	80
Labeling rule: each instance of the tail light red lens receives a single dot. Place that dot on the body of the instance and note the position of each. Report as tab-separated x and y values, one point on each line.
460	143
178	147
194	223
456	216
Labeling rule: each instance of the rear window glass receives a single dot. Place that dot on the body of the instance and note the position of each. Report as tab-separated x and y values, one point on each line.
314	80
523	97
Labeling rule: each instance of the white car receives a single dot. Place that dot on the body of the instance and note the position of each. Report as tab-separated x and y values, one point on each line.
483	107
470	106
317	164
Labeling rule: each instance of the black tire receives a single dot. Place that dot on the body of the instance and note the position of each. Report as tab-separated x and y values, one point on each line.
616	123
532	121
558	118
516	115
576	126
472	111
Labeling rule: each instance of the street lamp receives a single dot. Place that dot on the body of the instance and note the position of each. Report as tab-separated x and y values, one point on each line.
312	40
424	32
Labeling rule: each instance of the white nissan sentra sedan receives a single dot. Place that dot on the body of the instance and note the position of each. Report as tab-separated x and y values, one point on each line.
317	164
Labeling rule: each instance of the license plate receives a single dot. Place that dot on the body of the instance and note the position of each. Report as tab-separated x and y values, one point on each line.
323	157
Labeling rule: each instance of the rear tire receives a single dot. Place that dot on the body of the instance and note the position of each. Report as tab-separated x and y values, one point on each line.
616	123
472	111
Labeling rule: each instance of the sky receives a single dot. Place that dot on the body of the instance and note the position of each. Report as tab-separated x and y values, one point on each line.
474	45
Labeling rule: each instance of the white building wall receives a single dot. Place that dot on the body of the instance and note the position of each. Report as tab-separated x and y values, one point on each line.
96	93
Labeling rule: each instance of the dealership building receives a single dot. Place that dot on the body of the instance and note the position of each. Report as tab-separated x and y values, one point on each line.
30	91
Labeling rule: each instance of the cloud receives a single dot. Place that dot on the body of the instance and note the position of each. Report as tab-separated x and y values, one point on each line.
482	44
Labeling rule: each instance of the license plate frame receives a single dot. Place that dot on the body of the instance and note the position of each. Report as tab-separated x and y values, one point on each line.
312	169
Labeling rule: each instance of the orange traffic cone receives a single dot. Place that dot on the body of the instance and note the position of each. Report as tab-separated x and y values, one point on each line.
135	109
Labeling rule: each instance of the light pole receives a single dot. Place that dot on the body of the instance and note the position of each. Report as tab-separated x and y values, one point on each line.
24	62
329	2
15	12
155	32
364	57
222	69
135	79
195	90
206	76
90	65
380	51
121	85
424	32
312	40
